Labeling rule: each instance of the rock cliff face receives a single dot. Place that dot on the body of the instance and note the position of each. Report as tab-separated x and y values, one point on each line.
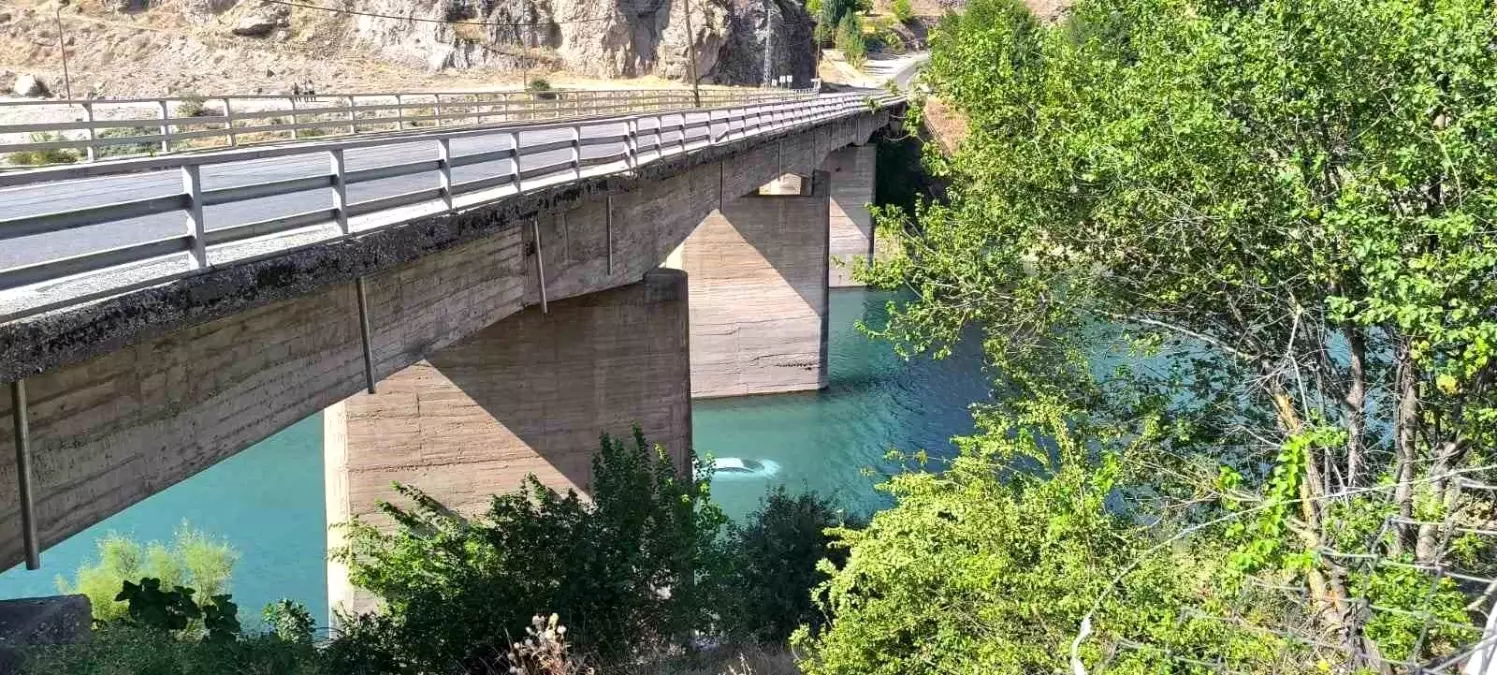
768	40
163	47
601	38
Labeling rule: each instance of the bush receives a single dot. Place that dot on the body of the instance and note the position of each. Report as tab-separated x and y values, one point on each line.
886	39
194	106
194	560
289	621
774	559
167	632
43	157
621	570
127	149
850	40
902	10
541	88
127	650
982	569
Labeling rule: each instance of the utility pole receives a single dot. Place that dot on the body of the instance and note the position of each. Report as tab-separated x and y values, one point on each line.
769	80
62	48
691	55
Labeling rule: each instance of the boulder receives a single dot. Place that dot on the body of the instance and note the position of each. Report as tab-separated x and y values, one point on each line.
29	86
262	20
125	6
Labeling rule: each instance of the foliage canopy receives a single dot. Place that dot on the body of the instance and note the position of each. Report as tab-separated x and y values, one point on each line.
1245	251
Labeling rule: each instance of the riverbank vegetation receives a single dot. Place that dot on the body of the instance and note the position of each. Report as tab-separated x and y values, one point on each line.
1233	266
646	576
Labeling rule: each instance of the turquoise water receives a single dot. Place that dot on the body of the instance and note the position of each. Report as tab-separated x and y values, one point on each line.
268	500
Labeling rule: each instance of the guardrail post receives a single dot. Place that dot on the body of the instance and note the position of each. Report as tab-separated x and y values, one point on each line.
399	112
437	109
514	162
294	121
19	424
340	188
166	129
577	150
88	114
192	188
444	168
353	118
682	139
229	115
631	144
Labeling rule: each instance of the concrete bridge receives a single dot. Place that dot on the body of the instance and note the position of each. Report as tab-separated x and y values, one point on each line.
455	346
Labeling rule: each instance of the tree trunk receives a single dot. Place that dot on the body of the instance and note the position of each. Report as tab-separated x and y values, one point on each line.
1406	417
1354	406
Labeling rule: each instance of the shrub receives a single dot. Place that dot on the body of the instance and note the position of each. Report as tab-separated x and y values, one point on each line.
194	560
289	621
886	39
540	87
127	650
43	157
194	106
850	40
902	10
773	567
127	149
621	570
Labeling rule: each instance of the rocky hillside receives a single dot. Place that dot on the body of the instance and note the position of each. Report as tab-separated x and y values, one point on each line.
152	47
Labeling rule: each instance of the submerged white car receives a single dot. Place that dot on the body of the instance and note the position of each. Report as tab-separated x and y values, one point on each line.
735	468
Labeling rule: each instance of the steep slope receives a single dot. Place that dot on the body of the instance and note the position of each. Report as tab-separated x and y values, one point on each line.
146	47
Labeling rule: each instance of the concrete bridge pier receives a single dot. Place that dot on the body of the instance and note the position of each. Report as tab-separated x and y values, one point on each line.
852	170
526	395
758	269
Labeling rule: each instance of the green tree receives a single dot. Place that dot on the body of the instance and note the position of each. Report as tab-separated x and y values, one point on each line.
773	566
902	10
850	39
1256	234
829	19
973	571
627	571
193	559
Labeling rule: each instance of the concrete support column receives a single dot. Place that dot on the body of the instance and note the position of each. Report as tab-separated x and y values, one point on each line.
852	170
527	395
758	272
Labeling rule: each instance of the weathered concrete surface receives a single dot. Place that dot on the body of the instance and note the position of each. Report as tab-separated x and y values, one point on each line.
135	393
852	169
527	395
758	273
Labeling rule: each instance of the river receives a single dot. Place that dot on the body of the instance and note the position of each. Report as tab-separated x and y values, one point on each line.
268	500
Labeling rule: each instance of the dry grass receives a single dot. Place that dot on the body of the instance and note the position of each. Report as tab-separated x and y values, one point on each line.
731	660
946	124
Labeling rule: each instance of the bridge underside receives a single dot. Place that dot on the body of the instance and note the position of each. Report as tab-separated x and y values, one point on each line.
137	393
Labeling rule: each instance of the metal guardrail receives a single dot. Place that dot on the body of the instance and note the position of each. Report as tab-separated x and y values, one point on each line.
114	127
591	147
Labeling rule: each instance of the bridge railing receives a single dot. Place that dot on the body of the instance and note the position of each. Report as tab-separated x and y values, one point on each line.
95	129
324	200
